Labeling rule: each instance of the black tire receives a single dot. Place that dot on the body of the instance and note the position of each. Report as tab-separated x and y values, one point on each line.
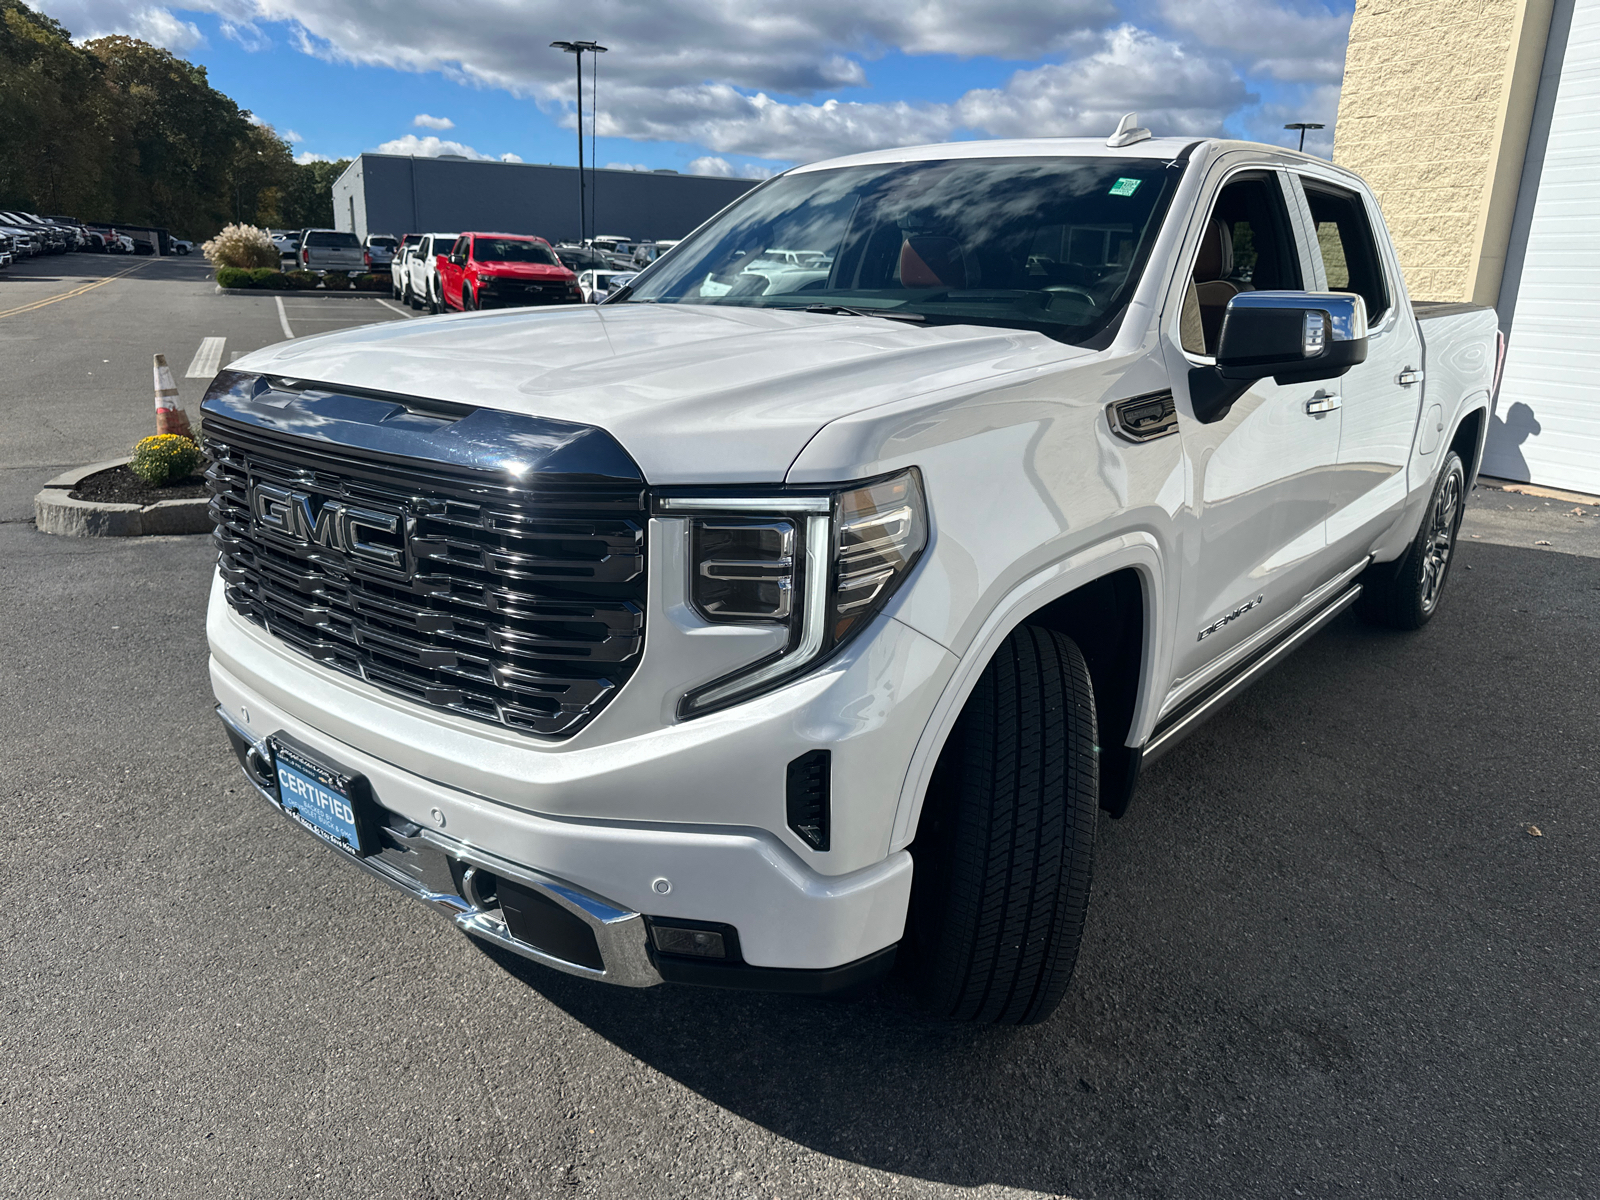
1406	593
468	304
434	306
1005	847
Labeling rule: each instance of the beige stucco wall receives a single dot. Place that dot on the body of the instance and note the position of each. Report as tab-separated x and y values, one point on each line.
1434	113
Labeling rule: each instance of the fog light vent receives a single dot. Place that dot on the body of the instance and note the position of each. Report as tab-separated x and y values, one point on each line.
808	797
700	943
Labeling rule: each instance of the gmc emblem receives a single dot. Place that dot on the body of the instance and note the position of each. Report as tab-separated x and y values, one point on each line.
333	525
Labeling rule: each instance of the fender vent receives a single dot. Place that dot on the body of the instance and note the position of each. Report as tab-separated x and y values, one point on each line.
808	797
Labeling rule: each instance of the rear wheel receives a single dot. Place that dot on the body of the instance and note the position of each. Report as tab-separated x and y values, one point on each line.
1005	847
1406	593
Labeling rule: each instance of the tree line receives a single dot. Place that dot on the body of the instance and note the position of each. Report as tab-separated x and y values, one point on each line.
118	131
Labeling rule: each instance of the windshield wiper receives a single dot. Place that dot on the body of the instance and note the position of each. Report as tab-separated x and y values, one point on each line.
844	310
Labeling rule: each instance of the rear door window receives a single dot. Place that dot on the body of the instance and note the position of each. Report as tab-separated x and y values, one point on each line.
1347	245
343	241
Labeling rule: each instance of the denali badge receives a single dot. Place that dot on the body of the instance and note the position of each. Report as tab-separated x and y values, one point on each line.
334	525
1233	616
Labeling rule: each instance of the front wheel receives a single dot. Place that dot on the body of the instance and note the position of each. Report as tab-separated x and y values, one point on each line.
1406	593
433	303
1005	846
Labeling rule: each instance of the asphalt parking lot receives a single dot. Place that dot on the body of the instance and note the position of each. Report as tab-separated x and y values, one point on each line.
1326	957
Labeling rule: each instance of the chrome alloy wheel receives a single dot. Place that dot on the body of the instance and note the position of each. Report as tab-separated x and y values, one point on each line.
1443	522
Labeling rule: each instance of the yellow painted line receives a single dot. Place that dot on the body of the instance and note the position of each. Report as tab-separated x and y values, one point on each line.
77	291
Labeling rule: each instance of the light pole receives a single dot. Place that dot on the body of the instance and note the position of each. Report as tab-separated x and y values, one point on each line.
1302	126
576	49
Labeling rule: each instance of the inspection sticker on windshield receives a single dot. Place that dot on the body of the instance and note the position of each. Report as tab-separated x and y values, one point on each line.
1125	186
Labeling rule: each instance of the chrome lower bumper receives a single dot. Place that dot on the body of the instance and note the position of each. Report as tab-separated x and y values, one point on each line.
463	897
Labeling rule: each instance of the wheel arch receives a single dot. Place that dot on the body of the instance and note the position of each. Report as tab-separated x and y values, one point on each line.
1471	432
1081	595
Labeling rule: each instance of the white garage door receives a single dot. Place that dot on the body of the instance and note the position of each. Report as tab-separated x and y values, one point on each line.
1548	427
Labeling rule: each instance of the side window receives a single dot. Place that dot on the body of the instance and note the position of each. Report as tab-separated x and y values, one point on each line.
1349	251
1246	246
460	247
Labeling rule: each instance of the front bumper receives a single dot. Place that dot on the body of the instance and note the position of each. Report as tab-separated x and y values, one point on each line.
809	932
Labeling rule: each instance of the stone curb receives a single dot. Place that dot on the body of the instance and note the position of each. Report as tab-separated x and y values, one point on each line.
341	294
55	511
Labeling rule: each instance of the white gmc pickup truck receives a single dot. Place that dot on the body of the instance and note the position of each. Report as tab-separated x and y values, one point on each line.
798	610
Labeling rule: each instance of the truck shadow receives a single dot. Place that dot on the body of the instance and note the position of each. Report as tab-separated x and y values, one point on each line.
1270	980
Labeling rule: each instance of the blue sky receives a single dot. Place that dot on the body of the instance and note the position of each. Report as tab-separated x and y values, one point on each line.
747	87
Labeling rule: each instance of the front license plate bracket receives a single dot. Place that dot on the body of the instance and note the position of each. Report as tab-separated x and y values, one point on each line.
330	801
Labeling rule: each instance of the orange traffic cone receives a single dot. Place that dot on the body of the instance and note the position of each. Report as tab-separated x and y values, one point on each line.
170	418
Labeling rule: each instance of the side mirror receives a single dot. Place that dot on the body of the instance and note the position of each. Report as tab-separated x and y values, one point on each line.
1294	337
460	260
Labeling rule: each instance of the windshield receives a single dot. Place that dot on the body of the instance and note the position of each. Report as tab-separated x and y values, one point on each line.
513	251
1050	244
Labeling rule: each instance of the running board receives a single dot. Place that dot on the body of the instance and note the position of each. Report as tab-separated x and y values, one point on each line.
1183	722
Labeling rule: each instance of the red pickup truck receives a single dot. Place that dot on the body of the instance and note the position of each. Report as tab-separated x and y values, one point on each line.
499	270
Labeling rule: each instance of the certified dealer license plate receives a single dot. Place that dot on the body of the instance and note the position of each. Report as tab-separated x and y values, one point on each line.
331	803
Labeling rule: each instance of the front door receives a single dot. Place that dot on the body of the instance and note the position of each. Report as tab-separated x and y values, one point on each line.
1260	487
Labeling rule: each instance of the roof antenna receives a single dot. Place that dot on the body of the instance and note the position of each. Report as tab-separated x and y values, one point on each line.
1128	132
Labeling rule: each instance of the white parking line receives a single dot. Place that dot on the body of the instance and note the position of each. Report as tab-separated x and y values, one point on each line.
283	318
207	359
407	315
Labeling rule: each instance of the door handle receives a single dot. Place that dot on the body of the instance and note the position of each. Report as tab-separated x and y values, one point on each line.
1322	403
1408	377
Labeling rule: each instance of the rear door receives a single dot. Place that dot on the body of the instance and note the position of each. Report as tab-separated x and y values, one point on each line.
1260	488
1380	398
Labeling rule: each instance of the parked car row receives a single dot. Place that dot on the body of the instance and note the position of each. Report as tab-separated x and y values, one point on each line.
27	235
450	272
466	271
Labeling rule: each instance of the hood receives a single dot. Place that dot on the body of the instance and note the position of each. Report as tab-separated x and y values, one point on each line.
694	393
507	270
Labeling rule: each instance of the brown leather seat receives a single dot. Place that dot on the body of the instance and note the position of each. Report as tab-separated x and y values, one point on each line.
1212	287
929	261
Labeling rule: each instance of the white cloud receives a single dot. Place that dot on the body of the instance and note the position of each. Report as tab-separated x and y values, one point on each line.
711	165
291	136
1172	90
510	157
96	18
1299	41
1320	104
755	77
307	156
615	166
430	147
247	34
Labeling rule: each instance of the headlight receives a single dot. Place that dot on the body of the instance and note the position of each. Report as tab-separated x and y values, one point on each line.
822	564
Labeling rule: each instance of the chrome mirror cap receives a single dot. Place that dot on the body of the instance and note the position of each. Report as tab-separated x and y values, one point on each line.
1346	312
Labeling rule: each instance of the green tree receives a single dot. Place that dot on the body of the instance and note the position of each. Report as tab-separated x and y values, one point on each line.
121	131
309	201
52	116
175	139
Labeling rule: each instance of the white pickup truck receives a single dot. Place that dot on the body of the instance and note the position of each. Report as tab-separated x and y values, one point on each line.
800	608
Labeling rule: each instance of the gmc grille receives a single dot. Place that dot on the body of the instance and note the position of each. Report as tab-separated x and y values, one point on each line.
447	586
